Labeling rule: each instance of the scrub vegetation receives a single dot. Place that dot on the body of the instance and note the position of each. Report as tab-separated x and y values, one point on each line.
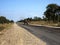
51	16
4	22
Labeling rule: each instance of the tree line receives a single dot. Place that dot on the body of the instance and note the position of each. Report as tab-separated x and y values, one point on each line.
31	19
52	13
5	20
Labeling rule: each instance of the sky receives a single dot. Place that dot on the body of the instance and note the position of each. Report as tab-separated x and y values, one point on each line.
20	9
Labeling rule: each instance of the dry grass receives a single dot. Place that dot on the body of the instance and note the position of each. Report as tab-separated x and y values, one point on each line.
44	23
4	26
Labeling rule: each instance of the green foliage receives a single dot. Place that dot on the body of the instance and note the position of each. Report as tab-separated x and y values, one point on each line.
12	21
31	19
37	18
51	12
4	20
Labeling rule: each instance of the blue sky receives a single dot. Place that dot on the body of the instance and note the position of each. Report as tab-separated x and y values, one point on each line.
20	9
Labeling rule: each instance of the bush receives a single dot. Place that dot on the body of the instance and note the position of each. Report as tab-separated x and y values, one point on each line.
4	20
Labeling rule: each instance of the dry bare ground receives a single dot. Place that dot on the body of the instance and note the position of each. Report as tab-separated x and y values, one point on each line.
19	36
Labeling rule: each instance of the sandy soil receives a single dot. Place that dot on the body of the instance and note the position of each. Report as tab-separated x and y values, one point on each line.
19	36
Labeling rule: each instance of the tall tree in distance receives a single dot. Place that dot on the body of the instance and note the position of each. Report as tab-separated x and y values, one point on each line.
50	12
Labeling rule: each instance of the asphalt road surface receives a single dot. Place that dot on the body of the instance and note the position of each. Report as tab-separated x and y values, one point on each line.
46	34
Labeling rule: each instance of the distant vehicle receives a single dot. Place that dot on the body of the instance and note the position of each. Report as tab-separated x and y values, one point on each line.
25	22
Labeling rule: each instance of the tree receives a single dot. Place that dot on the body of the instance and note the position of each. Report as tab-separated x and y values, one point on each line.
58	14
37	18
44	18
12	21
4	20
50	12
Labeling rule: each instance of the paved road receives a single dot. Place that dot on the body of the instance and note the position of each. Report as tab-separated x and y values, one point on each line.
17	35
46	34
